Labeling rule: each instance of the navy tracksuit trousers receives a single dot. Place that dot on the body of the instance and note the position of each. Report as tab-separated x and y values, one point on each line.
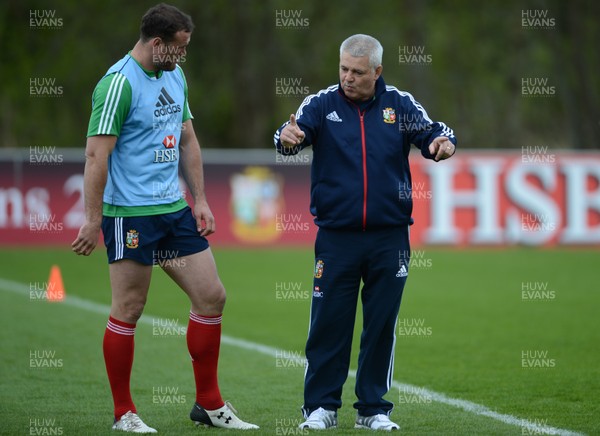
380	258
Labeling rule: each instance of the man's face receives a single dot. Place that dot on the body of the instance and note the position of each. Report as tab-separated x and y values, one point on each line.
166	55
357	77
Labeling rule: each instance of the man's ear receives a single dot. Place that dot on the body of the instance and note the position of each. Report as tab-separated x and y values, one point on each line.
378	71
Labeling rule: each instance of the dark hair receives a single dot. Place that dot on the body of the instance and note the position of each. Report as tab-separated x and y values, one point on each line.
164	21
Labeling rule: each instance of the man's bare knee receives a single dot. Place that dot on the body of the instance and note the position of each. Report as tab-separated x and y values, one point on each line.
220	296
216	296
129	311
210	300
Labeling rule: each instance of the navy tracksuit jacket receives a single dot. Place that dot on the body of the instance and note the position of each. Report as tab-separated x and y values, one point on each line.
361	200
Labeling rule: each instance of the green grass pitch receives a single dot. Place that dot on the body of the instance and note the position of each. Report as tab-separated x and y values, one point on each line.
514	332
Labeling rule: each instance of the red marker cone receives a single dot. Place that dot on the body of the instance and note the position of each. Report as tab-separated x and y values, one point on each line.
56	288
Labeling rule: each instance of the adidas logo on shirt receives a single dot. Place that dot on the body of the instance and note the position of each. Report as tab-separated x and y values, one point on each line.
333	116
166	104
402	272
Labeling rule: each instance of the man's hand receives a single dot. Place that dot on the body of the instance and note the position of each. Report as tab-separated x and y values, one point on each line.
291	134
441	148
86	239
205	221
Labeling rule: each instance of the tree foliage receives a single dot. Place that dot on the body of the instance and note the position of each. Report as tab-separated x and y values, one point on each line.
480	55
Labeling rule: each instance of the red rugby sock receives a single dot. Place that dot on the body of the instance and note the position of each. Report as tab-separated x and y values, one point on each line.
118	348
204	341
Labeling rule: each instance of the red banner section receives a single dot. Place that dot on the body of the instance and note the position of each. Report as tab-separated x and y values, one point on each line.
476	198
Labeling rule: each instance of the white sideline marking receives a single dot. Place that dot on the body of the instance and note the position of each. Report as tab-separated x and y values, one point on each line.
468	406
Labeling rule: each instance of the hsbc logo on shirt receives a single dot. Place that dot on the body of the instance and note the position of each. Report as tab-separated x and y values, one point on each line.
169	141
169	153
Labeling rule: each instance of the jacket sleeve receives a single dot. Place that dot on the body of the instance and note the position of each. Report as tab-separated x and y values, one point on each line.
421	129
308	120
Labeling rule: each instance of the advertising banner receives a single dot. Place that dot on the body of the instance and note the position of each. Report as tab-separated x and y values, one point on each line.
528	197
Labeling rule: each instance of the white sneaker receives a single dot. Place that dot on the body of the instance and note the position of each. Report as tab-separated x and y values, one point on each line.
376	422
320	419
132	423
223	417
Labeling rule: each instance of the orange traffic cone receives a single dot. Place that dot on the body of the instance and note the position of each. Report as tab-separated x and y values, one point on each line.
56	288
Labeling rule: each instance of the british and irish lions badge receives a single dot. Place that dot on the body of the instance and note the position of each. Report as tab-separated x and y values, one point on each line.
319	269
132	239
389	115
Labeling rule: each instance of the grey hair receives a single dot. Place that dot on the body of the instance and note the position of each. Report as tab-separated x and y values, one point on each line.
363	45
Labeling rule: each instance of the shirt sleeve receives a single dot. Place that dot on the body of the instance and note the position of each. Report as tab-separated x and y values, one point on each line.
187	113
111	102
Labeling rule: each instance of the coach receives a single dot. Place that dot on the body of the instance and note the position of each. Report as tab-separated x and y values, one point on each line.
361	131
